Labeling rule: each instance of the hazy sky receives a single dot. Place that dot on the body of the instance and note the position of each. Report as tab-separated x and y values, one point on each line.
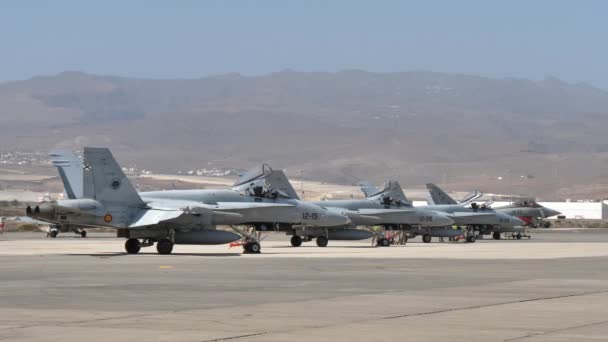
165	39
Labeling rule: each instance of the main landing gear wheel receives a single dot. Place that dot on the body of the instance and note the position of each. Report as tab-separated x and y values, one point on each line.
426	238
471	238
252	247
518	236
53	233
83	234
322	241
296	241
164	246
383	242
132	246
496	235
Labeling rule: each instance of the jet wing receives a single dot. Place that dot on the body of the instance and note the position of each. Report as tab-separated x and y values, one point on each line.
153	216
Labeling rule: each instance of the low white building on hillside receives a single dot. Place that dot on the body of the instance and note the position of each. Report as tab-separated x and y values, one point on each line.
571	210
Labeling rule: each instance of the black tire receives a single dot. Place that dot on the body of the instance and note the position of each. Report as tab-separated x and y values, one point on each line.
53	233
383	242
496	235
296	241
83	234
471	239
164	246
254	247
518	236
132	246
426	238
547	224
322	241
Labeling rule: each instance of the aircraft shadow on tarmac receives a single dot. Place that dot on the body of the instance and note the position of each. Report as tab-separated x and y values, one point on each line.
102	255
333	247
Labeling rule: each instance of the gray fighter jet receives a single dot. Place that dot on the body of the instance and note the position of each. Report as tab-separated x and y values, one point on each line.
476	218
383	208
391	209
480	219
177	216
258	183
528	210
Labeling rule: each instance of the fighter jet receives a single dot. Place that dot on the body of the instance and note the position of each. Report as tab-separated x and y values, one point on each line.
391	209
476	218
176	216
530	212
527	209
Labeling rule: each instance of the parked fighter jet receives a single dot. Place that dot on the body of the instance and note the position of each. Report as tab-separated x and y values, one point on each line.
475	219
530	212
392	210
176	216
480	218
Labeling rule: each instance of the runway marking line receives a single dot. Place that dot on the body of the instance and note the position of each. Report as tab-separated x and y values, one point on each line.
165	267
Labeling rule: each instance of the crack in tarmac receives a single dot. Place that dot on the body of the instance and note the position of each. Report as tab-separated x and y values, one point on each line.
440	312
237	337
540	333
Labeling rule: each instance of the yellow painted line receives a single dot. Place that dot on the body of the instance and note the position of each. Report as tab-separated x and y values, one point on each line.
165	267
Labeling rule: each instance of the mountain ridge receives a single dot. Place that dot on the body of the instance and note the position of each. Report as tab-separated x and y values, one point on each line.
345	126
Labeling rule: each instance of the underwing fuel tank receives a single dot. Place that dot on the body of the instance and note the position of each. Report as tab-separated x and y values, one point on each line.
444	232
205	237
349	234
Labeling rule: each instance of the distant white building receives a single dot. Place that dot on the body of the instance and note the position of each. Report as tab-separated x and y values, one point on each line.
571	210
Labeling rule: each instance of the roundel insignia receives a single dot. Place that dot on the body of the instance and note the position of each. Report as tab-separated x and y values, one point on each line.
107	218
115	184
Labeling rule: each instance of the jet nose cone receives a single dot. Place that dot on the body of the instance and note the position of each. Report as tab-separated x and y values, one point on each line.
550	212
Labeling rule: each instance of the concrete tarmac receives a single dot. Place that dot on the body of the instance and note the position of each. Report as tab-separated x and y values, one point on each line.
552	288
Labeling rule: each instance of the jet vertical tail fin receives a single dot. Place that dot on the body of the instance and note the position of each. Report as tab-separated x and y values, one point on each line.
70	168
368	189
390	194
439	196
108	183
470	197
265	176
